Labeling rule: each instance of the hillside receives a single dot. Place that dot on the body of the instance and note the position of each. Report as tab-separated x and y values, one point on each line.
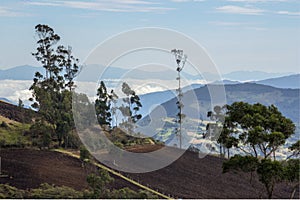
16	113
292	81
287	100
188	177
29	168
194	177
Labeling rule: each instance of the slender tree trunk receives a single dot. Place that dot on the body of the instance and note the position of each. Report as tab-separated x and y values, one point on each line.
270	191
255	152
228	153
220	150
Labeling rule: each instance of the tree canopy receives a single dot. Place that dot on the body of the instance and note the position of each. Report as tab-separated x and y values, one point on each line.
52	92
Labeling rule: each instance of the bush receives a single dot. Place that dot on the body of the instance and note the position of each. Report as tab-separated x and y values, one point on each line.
98	182
4	125
84	154
127	193
46	191
41	134
7	191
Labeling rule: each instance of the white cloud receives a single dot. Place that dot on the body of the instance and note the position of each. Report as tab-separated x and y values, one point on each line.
222	23
250	26
240	10
256	28
15	89
288	13
181	1
107	5
258	1
7	12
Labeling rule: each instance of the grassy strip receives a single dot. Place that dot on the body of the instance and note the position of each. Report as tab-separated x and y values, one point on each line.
116	173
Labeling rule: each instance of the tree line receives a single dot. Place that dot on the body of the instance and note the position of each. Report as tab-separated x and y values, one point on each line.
52	96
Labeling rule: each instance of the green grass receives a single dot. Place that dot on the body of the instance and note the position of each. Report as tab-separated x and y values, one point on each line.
13	133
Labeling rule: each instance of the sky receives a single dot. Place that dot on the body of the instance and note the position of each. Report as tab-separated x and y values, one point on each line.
250	35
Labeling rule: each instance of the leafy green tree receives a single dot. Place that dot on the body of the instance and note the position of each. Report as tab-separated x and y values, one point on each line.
219	130
98	183
259	131
295	148
270	172
291	170
52	92
263	129
47	39
133	102
41	134
131	107
113	97
102	105
69	64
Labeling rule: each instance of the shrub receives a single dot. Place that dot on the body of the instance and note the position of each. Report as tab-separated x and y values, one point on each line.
47	191
84	153
7	191
4	125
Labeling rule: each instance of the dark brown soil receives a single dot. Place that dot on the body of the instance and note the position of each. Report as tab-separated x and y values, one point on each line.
194	177
16	113
29	168
188	177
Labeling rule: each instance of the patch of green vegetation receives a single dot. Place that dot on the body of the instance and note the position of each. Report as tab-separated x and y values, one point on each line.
13	134
45	191
7	191
97	189
123	140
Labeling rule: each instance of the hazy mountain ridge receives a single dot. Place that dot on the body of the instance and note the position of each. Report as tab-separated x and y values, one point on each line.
252	75
26	72
287	100
234	90
292	81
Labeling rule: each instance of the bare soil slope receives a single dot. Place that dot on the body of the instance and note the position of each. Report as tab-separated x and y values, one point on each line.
188	177
29	168
16	113
194	177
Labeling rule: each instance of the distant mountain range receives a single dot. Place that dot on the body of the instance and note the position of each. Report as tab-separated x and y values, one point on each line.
235	91
252	75
292	81
287	100
26	72
197	102
151	100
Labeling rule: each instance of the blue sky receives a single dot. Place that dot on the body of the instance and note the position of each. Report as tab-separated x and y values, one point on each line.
238	34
